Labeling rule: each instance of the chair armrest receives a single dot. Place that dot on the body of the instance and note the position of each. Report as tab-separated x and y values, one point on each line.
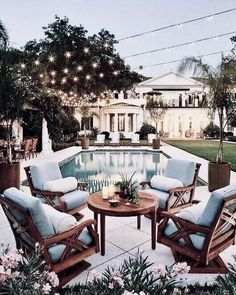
182	189
185	224
82	185
144	184
48	193
69	233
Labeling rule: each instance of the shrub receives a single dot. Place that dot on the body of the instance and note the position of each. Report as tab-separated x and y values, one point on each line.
146	129
232	138
212	130
107	134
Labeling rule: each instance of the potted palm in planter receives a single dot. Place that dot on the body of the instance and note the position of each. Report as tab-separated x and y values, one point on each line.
13	91
156	109
222	106
85	112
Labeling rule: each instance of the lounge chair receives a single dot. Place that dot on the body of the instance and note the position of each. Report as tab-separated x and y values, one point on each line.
150	138
175	190
135	141
100	140
198	234
115	139
65	243
65	194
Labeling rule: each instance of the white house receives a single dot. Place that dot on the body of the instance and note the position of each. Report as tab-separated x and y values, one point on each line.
125	112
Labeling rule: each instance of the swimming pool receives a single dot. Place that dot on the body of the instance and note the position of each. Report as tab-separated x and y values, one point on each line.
100	168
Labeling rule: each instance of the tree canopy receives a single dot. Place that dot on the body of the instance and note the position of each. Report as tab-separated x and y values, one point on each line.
75	65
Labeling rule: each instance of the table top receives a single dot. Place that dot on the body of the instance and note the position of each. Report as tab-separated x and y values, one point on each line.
97	204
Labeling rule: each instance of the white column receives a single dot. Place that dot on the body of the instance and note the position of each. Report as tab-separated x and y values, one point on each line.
116	123
46	141
134	122
108	122
126	123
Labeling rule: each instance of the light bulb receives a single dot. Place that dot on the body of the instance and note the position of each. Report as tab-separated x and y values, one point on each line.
88	77
86	50
51	58
68	54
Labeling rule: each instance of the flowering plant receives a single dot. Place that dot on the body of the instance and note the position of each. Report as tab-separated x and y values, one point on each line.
135	276
25	274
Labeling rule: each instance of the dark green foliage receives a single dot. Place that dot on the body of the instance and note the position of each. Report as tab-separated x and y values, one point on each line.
212	130
146	129
94	132
107	134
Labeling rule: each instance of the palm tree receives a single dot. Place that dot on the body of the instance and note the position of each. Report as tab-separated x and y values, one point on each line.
221	98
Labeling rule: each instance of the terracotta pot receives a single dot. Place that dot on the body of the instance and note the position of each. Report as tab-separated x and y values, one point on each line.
218	175
9	175
156	143
85	143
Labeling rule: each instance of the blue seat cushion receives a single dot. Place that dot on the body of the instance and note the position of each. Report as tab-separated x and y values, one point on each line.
181	169
44	172
214	203
56	251
34	205
75	199
197	239
61	221
64	185
160	195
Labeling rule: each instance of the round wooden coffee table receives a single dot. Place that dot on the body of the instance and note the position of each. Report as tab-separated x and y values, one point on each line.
147	205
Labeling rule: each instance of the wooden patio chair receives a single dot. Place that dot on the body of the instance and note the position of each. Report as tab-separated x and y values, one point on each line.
200	233
100	140
25	151
65	243
33	150
175	190
65	194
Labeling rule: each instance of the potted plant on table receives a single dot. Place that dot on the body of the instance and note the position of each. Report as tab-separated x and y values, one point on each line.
128	188
221	102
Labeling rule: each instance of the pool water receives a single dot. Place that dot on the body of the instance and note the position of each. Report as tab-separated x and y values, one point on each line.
101	168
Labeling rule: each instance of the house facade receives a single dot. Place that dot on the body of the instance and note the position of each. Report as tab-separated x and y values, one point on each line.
125	112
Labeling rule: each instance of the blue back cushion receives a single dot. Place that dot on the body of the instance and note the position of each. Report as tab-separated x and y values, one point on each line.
34	205
214	203
181	169
43	172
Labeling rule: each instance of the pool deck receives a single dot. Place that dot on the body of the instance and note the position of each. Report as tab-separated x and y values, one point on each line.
122	237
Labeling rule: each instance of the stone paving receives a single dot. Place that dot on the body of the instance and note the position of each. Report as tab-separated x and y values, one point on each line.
122	237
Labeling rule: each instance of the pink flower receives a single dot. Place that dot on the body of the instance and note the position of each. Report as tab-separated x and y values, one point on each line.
181	267
95	274
36	286
176	291
111	285
53	278
46	288
159	271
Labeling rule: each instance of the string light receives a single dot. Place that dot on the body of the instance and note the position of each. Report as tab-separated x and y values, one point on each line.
66	71
208	17
75	79
68	54
101	75
63	81
106	45
86	50
111	62
94	65
53	82
51	58
53	73
79	68
40	75
115	73
88	77
36	62
23	66
180	60
180	44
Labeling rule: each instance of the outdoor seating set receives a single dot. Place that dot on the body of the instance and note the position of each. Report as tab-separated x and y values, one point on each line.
196	232
115	139
24	150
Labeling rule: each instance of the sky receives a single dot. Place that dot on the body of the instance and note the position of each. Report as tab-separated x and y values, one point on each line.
24	20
